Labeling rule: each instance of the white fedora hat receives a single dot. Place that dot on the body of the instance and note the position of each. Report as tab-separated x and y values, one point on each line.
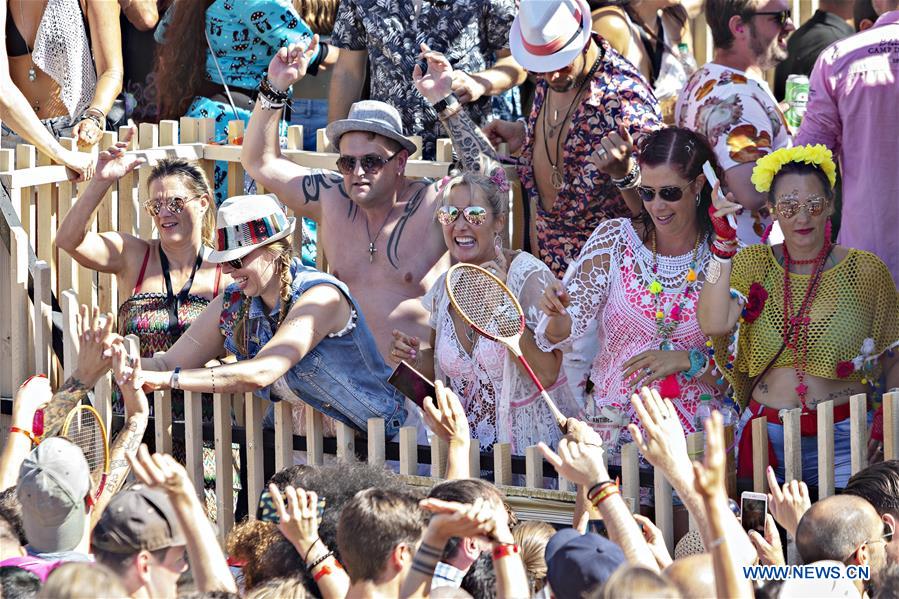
547	35
244	223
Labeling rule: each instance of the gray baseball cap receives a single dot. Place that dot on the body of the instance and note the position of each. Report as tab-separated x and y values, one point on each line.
138	518
53	482
372	116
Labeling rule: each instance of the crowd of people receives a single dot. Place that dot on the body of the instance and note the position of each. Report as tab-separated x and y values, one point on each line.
701	252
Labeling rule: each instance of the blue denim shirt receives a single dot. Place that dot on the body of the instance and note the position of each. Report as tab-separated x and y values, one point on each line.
343	376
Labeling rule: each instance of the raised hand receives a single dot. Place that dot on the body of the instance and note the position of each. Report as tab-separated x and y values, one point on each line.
96	341
499	266
614	154
479	519
289	64
161	471
722	207
662	441
404	347
787	503
445	416
709	475
128	375
655	540
437	83
555	300
298	519
508	132
114	162
32	395
80	164
579	462
86	133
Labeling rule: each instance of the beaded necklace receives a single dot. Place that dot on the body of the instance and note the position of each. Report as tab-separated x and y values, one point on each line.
796	326
666	324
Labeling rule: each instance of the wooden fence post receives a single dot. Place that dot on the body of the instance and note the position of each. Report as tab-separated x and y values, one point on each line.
283	435
759	454
630	475
224	467
314	437
858	435
825	450
255	412
792	445
502	463
376	442
891	426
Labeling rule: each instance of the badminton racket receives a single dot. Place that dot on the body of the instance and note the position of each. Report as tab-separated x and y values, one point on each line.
84	427
487	305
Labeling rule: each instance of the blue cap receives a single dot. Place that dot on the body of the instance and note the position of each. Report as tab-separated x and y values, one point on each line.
579	563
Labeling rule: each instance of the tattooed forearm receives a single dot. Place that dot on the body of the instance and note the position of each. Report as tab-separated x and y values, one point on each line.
65	398
468	140
125	444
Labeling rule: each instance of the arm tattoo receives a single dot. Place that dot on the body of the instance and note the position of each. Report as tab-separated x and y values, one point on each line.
321	181
468	140
65	398
126	443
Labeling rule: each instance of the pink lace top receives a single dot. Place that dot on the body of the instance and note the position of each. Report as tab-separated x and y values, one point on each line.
608	284
501	402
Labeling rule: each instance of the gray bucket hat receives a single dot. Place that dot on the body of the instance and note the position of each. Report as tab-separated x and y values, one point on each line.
373	116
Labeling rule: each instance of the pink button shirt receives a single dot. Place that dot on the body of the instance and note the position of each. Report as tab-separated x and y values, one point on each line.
854	110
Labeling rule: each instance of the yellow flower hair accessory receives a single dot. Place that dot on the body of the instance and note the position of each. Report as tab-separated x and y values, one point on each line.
768	166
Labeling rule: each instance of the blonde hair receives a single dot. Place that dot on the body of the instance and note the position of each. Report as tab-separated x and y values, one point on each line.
283	253
318	14
497	199
280	588
532	537
193	177
637	582
82	579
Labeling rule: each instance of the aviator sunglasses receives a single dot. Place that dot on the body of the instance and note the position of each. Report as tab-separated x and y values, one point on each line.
668	193
175	204
476	215
371	163
814	205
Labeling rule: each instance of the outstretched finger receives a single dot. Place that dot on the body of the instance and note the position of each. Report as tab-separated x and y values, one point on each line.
278	502
551	456
774	486
637	436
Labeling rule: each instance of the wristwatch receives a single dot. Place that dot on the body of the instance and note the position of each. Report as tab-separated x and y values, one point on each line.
173	382
451	101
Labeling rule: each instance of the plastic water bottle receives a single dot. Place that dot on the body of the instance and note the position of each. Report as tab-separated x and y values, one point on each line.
686	59
703	412
729	412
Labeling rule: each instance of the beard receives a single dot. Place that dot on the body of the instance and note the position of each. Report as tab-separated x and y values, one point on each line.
767	55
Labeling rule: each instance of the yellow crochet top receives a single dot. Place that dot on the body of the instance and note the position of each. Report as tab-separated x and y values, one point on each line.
856	300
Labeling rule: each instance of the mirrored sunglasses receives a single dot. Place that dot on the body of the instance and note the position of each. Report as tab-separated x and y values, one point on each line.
236	263
371	163
476	215
789	208
175	205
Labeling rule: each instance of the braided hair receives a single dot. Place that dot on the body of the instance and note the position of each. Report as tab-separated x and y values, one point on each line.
283	254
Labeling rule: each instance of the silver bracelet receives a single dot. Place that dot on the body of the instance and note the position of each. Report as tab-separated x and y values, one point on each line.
631	179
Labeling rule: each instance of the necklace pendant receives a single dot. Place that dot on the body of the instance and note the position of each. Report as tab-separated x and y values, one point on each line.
32	74
371	252
666	345
557	180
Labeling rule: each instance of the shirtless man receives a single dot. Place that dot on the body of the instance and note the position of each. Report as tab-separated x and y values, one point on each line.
377	227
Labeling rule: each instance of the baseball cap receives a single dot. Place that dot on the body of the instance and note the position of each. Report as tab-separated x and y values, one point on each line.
53	481
576	563
138	518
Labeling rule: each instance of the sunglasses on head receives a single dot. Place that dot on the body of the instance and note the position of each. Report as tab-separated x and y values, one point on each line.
175	204
814	205
781	16
371	163
476	215
668	193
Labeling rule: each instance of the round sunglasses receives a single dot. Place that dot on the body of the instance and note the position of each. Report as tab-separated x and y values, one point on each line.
668	193
371	163
475	215
814	205
175	204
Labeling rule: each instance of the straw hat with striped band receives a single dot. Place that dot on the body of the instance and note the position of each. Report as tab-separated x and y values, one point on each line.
244	223
547	36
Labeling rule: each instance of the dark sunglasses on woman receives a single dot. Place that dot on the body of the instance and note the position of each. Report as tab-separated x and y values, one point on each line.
669	193
476	215
371	163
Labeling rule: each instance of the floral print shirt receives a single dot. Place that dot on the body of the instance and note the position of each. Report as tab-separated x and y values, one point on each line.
741	119
618	92
468	32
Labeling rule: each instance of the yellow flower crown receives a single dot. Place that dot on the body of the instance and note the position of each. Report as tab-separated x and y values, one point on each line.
768	166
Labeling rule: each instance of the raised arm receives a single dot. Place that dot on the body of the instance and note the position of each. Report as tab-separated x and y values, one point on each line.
200	343
717	311
34	393
349	71
108	251
320	311
436	85
143	14
446	418
298	187
207	562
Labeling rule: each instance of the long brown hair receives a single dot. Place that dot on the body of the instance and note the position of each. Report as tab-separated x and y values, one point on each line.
283	253
181	61
318	14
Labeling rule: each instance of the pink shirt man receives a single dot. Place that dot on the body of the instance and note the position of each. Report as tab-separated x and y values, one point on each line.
854	110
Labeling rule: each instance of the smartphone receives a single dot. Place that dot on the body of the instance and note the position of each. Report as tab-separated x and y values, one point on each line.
411	383
267	512
753	508
712	178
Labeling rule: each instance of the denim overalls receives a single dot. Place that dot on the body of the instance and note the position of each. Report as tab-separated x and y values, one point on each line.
343	377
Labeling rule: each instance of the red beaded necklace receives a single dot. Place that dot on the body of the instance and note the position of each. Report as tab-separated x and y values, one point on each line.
796	326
